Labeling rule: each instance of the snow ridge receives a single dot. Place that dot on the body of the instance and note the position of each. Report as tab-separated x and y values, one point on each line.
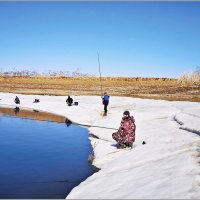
188	121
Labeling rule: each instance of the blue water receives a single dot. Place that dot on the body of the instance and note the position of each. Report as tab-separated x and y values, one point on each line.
41	159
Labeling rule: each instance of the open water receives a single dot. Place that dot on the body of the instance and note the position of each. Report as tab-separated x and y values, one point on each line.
40	159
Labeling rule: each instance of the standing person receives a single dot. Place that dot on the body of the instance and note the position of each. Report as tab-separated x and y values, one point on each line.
17	101
125	136
69	101
105	99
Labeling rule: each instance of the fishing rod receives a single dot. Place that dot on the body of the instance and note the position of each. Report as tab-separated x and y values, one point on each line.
96	126
67	121
100	73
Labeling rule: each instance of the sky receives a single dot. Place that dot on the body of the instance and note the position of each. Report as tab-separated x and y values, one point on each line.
134	39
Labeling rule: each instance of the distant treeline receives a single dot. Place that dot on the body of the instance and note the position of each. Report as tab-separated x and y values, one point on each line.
60	74
28	73
68	74
187	79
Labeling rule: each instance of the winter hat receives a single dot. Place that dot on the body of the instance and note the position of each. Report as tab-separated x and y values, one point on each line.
126	113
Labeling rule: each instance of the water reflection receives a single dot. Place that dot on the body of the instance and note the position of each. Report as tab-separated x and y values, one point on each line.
68	122
32	114
16	110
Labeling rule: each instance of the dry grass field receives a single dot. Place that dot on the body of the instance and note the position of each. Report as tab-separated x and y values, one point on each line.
153	88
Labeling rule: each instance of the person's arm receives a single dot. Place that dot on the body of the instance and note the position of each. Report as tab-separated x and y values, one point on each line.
121	128
132	125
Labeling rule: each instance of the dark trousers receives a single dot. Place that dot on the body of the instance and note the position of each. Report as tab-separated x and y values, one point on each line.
105	103
69	104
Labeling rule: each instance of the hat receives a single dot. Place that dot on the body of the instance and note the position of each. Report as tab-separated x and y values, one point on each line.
126	113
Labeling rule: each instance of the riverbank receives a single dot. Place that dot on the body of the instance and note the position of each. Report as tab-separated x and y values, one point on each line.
154	170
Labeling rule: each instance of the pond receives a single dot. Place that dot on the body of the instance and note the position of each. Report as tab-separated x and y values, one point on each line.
41	159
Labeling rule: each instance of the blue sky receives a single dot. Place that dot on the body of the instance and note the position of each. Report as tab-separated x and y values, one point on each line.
148	39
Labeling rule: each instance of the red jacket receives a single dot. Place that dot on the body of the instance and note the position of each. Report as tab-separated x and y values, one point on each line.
126	132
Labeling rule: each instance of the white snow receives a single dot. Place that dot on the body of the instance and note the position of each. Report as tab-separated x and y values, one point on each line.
167	166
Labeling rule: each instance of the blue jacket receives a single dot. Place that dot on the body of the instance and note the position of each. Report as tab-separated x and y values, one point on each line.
106	98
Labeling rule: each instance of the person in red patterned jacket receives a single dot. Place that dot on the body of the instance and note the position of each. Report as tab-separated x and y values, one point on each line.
125	136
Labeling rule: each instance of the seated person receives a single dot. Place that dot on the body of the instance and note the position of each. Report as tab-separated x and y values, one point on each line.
69	101
17	101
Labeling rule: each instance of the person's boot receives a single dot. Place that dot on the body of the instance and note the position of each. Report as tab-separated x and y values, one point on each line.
130	145
121	146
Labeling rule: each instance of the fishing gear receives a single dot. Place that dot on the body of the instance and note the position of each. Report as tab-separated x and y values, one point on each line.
68	122
100	74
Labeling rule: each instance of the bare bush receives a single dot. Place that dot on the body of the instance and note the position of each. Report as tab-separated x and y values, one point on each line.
190	79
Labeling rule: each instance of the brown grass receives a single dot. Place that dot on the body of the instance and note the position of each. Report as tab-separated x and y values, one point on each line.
153	88
190	79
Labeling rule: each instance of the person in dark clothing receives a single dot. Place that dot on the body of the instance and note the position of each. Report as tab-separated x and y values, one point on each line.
17	101
105	99
69	101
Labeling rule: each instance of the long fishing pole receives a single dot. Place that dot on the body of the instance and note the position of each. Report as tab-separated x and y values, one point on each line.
69	122
100	74
95	126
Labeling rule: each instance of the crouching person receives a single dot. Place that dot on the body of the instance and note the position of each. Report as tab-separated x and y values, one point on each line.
17	101
125	136
69	101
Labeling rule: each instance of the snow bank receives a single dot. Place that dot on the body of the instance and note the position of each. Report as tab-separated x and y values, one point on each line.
167	166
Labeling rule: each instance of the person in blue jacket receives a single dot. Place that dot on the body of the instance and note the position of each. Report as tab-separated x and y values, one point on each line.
105	99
